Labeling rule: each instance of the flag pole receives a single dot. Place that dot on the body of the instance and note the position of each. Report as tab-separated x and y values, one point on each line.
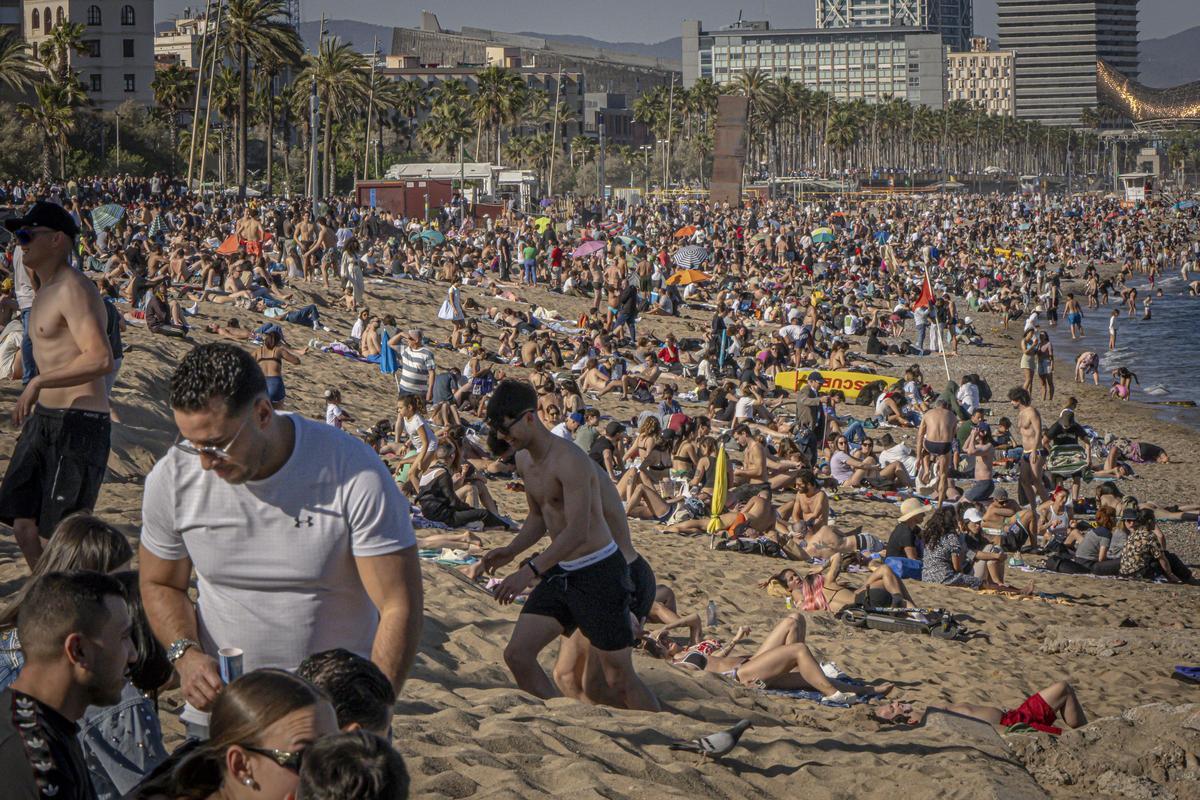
937	328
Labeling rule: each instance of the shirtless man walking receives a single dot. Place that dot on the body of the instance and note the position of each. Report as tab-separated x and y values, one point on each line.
322	248
935	436
60	458
1029	476
584	578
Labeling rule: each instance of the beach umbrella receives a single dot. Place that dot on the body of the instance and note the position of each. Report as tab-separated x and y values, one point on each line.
881	237
758	237
691	256
587	248
1024	226
686	230
685	276
822	235
105	217
1184	205
230	245
720	489
429	236
632	241
545	202
541	223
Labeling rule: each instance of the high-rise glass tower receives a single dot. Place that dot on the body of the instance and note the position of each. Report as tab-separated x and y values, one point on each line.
1057	43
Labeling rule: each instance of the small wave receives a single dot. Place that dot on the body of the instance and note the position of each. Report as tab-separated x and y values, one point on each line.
1157	389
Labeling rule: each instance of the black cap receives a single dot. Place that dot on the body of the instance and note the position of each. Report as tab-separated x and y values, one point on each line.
614	428
45	214
815	376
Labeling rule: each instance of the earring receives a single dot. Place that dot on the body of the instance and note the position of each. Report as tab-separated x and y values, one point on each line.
248	781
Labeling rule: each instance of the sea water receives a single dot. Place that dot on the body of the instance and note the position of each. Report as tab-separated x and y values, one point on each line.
1163	351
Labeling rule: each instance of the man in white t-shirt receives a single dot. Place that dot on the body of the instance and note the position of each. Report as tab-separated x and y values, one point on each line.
300	540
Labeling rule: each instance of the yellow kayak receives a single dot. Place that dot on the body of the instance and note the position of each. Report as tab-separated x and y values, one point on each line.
851	383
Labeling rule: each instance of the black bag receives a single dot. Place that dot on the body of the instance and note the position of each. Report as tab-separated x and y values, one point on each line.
870	393
1066	565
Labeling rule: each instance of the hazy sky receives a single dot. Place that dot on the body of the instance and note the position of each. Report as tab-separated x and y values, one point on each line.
641	21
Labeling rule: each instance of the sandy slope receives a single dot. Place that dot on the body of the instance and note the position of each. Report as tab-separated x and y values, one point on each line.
467	732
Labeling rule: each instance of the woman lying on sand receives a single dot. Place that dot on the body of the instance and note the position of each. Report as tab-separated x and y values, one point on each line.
782	661
1039	711
826	591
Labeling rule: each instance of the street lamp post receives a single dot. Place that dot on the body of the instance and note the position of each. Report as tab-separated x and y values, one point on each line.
646	148
117	114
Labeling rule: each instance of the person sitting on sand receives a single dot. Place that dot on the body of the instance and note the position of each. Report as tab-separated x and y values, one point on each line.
756	516
943	559
782	661
1039	711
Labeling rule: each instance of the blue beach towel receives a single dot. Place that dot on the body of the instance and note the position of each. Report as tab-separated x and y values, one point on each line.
387	356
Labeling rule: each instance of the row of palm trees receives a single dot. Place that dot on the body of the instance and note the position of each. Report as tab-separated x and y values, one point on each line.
795	130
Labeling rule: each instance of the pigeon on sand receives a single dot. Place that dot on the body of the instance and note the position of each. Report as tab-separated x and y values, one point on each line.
715	744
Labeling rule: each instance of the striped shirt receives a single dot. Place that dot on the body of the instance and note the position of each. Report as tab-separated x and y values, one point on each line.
415	366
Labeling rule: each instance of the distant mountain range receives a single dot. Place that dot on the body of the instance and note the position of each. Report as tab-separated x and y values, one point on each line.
1169	61
1172	60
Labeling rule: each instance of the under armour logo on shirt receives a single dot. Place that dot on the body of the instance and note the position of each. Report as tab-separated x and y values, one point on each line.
307	521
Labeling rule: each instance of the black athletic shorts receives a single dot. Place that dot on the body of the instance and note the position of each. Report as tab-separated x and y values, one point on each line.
595	599
57	466
644	587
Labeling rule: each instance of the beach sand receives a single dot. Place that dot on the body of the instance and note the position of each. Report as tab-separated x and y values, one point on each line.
466	731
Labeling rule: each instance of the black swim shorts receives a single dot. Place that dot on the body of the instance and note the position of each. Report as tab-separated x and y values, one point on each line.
644	587
57	466
595	599
937	448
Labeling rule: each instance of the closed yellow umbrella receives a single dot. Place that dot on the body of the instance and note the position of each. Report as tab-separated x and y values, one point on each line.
720	489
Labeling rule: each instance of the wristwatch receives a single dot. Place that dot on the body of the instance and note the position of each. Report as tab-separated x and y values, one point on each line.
179	647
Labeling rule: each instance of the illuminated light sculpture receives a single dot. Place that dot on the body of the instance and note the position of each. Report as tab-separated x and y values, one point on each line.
1146	108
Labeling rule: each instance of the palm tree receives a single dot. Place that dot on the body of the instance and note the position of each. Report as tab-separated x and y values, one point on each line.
410	102
55	52
446	127
53	118
173	90
16	67
341	77
225	103
255	29
499	97
754	84
584	148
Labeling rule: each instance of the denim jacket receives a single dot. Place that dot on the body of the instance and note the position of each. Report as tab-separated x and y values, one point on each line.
12	659
121	744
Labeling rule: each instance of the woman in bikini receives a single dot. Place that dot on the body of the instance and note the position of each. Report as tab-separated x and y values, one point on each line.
270	357
827	591
782	661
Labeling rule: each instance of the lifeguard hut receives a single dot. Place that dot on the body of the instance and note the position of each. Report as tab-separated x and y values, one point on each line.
1136	187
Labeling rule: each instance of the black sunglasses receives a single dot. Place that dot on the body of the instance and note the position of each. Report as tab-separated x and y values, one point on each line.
503	427
288	759
26	235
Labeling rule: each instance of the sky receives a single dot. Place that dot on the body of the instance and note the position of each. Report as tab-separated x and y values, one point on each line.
638	20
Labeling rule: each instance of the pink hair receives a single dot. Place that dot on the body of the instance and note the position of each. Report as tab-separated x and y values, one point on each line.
813	588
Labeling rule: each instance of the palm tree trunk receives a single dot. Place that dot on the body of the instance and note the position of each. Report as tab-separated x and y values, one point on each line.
327	147
270	131
243	119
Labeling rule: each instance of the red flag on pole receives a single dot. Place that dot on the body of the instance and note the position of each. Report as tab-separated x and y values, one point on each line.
926	296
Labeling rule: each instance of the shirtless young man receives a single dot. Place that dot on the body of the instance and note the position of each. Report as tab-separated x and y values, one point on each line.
577	671
60	458
305	233
810	510
585	582
1029	476
935	436
754	458
250	232
321	247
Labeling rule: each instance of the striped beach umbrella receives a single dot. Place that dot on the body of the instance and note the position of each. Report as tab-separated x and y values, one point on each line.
691	256
632	241
823	235
587	248
107	216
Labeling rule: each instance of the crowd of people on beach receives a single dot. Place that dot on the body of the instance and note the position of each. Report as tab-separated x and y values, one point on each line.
796	375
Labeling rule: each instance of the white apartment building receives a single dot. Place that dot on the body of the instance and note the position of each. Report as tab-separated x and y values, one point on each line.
181	44
119	35
982	77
